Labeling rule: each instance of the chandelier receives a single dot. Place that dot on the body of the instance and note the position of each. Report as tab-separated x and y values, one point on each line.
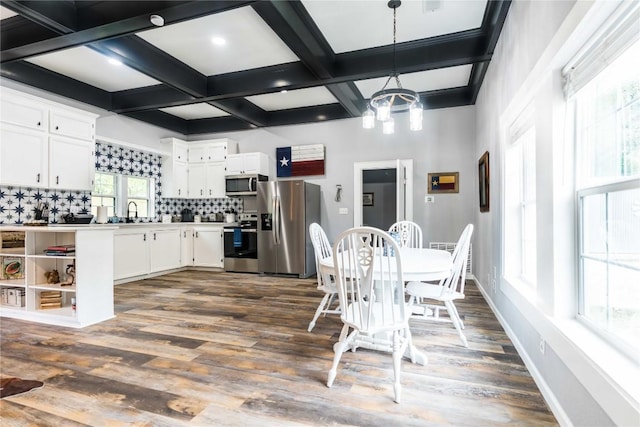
385	101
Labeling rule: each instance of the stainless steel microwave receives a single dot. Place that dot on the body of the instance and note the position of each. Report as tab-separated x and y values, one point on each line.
243	185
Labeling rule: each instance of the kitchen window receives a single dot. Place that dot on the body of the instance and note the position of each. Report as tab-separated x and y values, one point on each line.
124	195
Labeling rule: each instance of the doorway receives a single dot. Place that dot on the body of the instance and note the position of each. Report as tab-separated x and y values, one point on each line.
380	190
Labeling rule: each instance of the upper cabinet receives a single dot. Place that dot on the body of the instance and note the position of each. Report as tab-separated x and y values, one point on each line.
248	164
45	144
195	170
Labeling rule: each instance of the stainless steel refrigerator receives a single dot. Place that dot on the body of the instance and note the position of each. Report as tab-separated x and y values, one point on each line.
285	211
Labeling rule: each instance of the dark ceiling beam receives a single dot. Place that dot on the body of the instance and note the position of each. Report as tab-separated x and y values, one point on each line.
242	109
274	78
148	98
316	113
59	16
148	59
446	98
41	78
18	31
217	124
123	24
420	55
161	119
293	24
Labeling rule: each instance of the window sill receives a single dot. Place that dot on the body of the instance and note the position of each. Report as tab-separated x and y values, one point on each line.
607	374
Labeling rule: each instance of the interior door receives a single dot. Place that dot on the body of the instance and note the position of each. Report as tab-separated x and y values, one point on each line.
404	198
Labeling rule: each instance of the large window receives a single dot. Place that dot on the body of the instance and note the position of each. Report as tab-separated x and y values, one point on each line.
520	261
124	195
608	190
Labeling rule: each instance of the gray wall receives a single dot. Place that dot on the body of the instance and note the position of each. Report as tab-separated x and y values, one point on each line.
537	40
445	144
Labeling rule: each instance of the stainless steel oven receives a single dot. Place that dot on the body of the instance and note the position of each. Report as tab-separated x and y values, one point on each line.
241	245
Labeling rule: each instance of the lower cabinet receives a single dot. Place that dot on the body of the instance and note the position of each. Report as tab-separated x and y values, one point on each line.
130	253
140	250
186	247
164	249
208	247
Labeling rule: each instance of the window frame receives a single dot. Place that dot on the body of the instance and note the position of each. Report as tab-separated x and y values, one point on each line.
121	197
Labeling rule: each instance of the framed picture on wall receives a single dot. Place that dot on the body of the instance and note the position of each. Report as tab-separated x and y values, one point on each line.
483	181
443	182
367	199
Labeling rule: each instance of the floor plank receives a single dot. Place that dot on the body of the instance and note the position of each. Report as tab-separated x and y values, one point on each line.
204	348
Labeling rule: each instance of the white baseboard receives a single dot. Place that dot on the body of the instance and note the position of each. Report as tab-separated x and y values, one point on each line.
548	395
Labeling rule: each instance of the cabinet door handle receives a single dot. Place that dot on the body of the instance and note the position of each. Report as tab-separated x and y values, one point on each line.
38	178
57	179
57	127
209	191
39	124
196	234
178	191
185	235
154	236
144	237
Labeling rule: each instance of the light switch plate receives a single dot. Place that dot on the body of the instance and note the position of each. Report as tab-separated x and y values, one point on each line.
429	199
343	211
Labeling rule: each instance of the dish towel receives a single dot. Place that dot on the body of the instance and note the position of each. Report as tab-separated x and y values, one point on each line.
237	237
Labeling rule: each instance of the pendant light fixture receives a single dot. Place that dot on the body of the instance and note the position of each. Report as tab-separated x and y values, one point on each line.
387	101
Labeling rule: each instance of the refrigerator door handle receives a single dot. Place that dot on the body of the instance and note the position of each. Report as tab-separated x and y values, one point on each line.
276	225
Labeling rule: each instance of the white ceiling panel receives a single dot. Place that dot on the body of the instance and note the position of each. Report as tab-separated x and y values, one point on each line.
250	43
195	111
422	81
6	13
354	25
293	99
88	66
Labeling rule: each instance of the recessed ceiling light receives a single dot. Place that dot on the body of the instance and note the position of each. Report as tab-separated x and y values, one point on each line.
157	20
322	117
113	61
280	83
283	91
218	41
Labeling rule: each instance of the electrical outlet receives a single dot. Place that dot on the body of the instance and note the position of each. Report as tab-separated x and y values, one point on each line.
429	199
343	211
543	345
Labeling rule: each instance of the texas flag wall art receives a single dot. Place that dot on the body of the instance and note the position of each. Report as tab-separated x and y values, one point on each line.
300	160
443	182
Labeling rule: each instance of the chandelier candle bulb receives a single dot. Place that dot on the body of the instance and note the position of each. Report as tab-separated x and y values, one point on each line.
368	119
388	126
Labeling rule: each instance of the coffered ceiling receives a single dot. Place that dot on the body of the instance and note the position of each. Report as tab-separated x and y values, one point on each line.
218	66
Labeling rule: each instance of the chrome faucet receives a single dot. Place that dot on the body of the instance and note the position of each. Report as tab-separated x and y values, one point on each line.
129	211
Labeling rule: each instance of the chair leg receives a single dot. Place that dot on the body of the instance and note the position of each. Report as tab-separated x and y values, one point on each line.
397	358
339	348
319	310
453	313
457	315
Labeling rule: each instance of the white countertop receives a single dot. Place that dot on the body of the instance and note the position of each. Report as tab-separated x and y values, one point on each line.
111	226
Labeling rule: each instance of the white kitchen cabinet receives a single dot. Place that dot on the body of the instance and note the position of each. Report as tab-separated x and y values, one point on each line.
67	123
196	181
28	165
71	163
33	128
208	247
131	253
23	111
175	170
214	179
213	150
164	249
186	247
247	164
78	301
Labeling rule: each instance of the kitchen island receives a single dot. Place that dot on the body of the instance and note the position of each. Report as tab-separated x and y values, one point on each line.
82	258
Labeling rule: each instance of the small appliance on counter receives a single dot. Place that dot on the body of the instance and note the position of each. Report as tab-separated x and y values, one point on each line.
71	218
230	216
186	215
102	217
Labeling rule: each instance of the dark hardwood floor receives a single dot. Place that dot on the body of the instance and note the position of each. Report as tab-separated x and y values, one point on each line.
218	349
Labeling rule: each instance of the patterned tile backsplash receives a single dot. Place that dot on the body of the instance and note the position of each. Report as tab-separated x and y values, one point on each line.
17	203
